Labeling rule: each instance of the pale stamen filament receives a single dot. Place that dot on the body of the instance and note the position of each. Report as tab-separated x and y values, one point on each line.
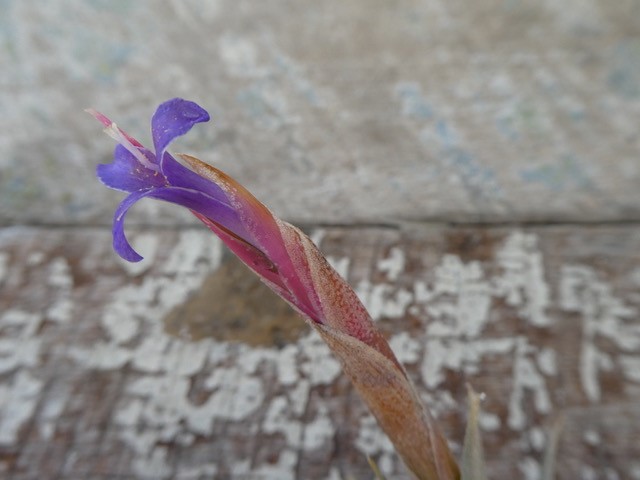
114	132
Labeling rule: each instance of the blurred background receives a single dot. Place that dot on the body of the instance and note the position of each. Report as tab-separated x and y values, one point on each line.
472	168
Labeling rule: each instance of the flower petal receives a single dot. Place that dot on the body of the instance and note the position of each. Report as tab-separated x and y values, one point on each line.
120	243
180	176
172	119
199	202
126	173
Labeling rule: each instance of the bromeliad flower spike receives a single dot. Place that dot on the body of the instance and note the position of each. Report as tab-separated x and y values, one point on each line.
289	263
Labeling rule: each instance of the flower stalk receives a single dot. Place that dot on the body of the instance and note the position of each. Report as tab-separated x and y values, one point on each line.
289	263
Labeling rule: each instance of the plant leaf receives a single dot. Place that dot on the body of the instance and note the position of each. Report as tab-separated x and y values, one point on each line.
473	466
549	464
395	404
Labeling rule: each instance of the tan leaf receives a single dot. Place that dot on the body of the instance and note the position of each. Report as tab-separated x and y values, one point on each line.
396	406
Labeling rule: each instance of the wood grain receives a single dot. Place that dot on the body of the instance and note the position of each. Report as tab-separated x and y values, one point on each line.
101	378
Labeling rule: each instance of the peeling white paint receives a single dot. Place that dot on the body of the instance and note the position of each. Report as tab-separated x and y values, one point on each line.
60	311
284	469
103	356
236	395
530	468
51	411
393	265
158	395
592	437
287	365
278	420
522	281
537	438
129	415
340	265
334	474
208	470
59	273
631	367
386	463
602	315
132	322
439	401
22	348
147	245
547	361
383	300
526	378
18	400
406	349
153	465
299	397
319	431
317	235
35	258
489	422
458	355
459	300
319	364
458	303
371	441
195	255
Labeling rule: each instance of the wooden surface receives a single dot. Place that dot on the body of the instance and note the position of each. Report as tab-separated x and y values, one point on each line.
335	111
98	380
377	126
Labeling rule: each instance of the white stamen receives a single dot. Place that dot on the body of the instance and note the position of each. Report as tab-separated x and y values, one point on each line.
114	132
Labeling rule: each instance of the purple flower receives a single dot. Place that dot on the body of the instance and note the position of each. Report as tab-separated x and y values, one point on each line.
289	263
143	173
221	203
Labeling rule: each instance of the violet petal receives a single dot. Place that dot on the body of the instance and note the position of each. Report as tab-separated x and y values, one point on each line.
180	176
172	119
200	202
126	173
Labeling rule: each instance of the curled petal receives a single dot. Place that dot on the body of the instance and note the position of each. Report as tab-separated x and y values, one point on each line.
126	173
172	119
191	199
120	243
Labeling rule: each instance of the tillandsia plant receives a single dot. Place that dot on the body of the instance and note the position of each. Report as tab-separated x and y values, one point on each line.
289	263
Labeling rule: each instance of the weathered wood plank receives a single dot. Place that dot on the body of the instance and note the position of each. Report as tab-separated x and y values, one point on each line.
409	109
184	367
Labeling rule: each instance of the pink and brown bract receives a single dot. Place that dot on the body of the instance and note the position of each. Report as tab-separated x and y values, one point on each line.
289	263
